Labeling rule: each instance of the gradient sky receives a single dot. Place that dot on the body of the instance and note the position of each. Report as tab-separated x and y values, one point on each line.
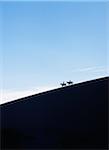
45	43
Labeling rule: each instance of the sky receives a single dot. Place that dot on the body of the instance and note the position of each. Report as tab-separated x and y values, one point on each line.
45	43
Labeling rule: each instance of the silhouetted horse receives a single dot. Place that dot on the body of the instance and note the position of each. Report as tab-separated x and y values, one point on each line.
70	82
63	84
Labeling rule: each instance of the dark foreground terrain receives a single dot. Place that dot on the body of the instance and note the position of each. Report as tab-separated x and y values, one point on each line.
74	117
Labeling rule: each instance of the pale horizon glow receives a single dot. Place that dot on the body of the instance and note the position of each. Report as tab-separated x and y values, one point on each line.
9	95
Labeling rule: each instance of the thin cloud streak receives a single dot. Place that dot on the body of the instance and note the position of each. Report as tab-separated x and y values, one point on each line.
92	69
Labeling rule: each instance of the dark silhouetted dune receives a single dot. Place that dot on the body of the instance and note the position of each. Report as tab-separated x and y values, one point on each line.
75	116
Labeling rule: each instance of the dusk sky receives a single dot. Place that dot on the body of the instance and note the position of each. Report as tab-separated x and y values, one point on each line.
45	43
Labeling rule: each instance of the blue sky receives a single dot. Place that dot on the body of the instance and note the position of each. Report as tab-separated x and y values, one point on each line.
45	43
